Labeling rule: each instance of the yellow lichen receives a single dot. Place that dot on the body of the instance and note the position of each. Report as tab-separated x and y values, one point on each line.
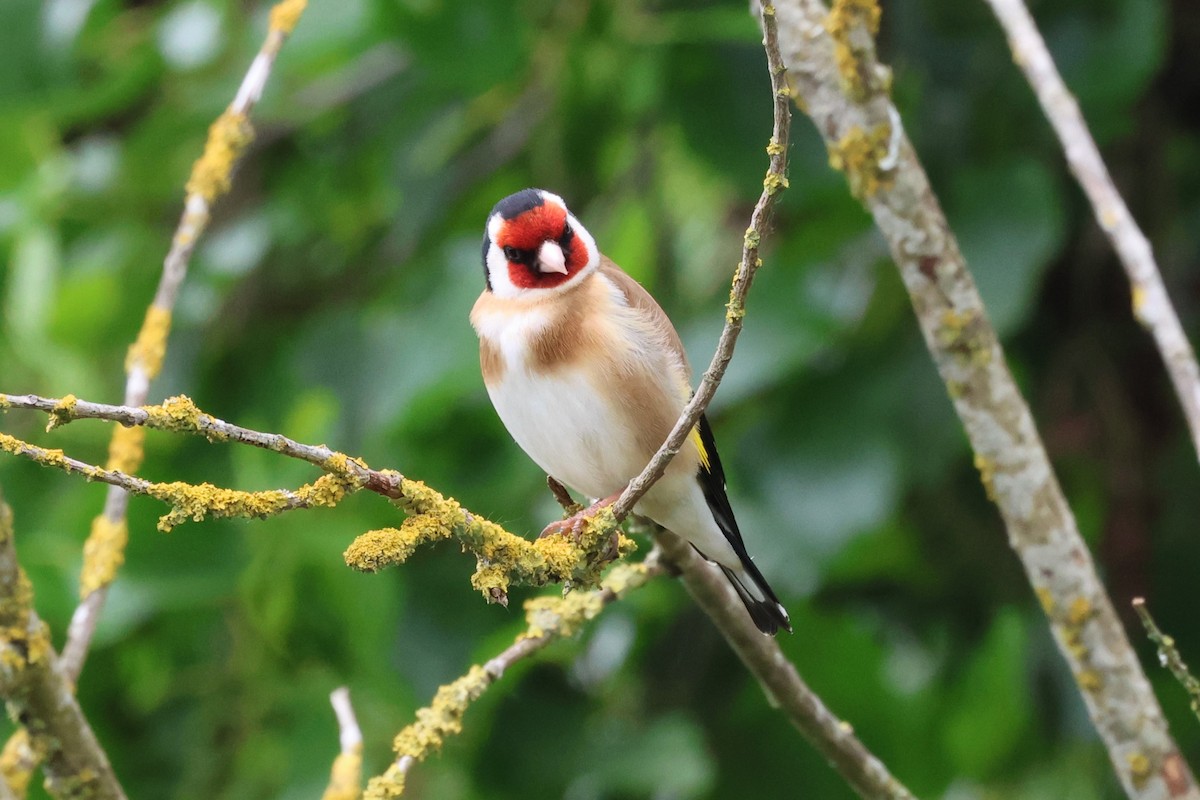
17	762
965	334
1090	681
858	154
62	413
1140	769
774	182
443	717
387	786
103	554
176	413
987	475
285	15
1046	598
198	501
375	550
1138	300
345	778
150	347
24	640
844	19
45	456
328	490
126	449
1080	611
228	138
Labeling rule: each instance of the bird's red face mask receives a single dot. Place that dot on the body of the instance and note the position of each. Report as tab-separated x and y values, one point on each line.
541	246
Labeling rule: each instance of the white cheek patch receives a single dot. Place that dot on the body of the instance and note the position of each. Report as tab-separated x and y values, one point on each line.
497	266
588	242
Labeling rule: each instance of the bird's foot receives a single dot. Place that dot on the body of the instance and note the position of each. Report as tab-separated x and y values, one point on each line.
575	524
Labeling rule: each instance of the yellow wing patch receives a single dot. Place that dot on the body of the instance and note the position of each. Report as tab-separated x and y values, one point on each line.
696	440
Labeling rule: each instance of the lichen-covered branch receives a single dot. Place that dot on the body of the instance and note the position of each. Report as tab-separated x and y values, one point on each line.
547	619
840	84
1168	655
198	501
832	737
228	139
345	777
1151	304
502	558
40	695
774	183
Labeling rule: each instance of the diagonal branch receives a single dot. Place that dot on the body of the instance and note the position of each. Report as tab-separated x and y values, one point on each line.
1151	304
840	83
345	777
775	181
39	693
548	620
778	677
228	140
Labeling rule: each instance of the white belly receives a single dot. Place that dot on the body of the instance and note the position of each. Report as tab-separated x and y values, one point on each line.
561	422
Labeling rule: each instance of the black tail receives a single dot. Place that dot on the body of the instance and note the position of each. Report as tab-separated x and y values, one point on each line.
764	607
767	612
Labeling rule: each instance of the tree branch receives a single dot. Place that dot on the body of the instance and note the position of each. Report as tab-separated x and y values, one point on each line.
345	778
39	694
840	83
779	679
548	619
1168	654
228	139
1151	304
775	181
502	557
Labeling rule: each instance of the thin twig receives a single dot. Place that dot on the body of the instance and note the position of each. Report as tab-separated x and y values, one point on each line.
548	619
840	83
227	141
38	691
773	184
1151	304
778	677
180	415
345	778
195	501
1168	654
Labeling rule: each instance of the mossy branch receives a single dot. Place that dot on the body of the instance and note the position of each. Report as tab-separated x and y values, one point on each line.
1009	454
345	777
196	502
1168	655
547	619
502	557
211	176
40	696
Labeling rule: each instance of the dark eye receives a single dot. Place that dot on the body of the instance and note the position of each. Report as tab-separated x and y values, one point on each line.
512	254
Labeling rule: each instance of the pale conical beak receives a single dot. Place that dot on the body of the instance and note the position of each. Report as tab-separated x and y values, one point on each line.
550	258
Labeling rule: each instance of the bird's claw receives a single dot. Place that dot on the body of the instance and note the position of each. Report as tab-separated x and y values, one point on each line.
575	524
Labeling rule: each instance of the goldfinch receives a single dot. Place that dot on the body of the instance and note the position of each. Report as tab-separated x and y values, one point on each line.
589	376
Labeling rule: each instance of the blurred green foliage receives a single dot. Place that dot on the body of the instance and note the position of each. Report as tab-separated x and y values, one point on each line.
329	303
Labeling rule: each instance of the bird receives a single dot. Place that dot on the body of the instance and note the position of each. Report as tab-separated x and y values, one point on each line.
589	376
